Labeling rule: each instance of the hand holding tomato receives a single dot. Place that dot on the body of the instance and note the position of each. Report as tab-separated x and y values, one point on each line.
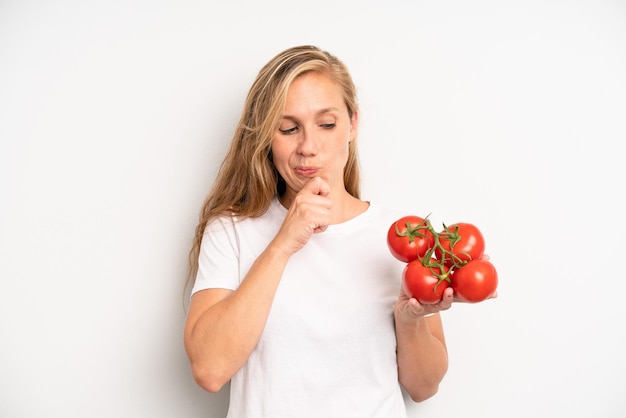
452	258
409	309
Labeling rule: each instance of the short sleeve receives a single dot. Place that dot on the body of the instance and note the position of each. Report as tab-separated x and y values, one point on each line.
218	261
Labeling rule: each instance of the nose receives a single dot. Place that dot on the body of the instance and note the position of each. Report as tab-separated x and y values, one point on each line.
309	143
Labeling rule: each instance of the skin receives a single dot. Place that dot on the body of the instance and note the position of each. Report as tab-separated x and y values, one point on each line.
310	150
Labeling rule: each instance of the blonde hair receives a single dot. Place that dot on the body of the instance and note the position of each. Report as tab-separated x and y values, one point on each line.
247	180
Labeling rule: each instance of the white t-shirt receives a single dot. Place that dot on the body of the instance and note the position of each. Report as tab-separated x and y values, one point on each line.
328	349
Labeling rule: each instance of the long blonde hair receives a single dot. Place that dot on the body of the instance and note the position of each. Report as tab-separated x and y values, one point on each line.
247	180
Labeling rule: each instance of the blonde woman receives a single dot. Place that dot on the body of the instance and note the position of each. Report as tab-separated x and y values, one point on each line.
296	299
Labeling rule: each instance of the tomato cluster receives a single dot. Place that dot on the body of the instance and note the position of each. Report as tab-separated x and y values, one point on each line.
452	257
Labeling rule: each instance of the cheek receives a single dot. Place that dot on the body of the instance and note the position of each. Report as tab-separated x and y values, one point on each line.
280	154
344	149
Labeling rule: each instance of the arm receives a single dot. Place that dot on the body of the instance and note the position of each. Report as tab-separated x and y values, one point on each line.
422	354
223	326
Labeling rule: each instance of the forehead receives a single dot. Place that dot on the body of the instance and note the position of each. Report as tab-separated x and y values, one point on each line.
314	90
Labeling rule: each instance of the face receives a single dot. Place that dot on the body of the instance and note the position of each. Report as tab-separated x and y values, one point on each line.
313	135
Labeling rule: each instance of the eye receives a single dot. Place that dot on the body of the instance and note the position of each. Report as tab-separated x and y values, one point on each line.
288	131
328	125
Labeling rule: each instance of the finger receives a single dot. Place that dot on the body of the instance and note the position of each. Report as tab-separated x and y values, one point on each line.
313	205
447	299
317	186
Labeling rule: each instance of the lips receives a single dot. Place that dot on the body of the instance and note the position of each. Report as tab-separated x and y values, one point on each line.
307	171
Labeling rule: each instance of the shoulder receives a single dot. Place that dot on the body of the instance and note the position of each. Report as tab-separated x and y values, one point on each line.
385	213
232	222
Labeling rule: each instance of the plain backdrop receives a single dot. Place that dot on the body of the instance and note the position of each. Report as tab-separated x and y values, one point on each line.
114	117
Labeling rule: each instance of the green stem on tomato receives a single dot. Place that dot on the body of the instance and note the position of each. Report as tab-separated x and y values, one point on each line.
445	255
411	232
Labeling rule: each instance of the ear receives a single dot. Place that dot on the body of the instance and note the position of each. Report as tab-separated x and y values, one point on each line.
354	123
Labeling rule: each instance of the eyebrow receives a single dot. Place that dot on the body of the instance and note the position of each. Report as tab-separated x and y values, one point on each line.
318	113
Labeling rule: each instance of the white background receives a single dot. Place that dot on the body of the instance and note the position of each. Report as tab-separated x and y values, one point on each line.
114	116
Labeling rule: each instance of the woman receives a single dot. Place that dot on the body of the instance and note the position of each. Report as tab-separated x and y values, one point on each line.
296	297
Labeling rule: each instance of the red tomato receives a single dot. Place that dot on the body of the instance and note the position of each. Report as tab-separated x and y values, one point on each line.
461	242
421	282
408	238
475	281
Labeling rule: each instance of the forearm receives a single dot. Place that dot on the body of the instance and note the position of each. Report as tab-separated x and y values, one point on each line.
422	356
220	338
